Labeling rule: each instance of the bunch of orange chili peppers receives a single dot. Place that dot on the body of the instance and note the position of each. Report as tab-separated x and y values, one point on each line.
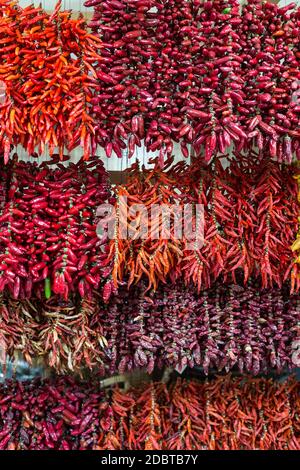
249	221
47	65
65	336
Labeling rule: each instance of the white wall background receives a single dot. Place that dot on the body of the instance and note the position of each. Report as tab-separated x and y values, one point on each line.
77	5
113	163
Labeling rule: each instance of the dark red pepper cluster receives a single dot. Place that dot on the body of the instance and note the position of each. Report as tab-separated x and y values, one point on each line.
206	74
62	415
47	67
227	327
226	413
48	227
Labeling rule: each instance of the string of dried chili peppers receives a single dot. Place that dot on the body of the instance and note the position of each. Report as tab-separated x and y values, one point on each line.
140	248
249	223
48	238
66	336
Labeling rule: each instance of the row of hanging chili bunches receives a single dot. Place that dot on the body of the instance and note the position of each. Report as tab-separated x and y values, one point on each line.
48	75
48	239
206	74
226	327
225	413
209	76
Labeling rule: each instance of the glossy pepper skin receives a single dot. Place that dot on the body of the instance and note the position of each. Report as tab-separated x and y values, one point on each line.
47	64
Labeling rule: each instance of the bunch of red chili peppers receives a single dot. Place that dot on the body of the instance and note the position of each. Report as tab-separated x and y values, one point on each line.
202	73
226	413
48	239
47	64
249	221
226	328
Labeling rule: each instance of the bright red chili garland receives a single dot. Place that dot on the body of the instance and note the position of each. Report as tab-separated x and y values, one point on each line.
48	227
49	240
